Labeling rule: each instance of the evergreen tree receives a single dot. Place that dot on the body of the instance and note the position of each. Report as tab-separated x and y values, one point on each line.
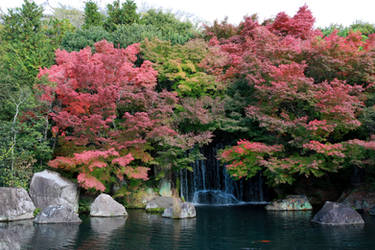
117	15
92	15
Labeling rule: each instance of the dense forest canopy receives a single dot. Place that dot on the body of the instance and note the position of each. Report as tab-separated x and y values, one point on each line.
134	96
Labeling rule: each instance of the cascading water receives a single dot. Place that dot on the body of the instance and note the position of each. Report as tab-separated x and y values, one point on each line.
209	183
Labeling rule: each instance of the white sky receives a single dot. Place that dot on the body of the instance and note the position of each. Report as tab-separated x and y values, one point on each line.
325	12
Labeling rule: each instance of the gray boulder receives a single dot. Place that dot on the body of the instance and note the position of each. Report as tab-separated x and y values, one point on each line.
50	188
57	214
105	206
372	211
291	203
159	204
333	213
180	210
15	204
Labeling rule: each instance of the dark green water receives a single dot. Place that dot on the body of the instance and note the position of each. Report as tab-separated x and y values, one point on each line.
242	227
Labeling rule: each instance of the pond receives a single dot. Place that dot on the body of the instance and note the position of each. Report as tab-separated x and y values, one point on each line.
230	227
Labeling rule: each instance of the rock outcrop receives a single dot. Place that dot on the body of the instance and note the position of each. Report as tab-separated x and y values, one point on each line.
291	203
57	214
333	213
15	204
50	188
105	206
180	210
361	198
139	198
159	204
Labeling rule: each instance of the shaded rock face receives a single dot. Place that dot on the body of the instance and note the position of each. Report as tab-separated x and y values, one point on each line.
360	198
333	213
291	203
139	198
15	204
57	214
49	188
105	206
158	204
180	210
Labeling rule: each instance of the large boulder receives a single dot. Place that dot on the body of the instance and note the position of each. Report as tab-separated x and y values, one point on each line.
139	198
361	198
333	213
180	210
50	188
15	204
158	204
57	214
105	206
291	203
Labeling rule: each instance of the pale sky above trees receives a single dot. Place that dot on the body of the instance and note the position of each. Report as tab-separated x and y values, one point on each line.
326	12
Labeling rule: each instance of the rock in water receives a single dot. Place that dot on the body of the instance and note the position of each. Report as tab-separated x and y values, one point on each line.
291	203
180	210
57	214
158	204
49	188
333	213
105	206
15	204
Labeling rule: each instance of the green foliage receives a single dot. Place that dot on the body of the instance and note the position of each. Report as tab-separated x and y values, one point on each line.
75	41
73	16
36	211
92	15
119	15
365	28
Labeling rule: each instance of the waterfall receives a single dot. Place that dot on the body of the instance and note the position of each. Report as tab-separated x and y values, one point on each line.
210	183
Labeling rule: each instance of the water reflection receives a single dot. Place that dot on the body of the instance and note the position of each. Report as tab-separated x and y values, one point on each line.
54	236
14	235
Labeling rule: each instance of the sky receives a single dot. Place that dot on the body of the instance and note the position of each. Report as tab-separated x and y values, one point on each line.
326	12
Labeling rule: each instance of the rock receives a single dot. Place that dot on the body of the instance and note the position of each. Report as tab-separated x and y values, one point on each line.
333	213
57	214
49	188
165	189
291	203
372	211
361	198
105	206
15	204
139	198
158	204
180	210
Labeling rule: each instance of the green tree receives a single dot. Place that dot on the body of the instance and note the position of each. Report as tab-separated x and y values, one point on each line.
92	15
120	14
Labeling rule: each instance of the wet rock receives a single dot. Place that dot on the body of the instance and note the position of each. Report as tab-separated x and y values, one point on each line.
139	198
361	198
15	204
57	214
333	213
49	188
158	204
105	206
372	211
291	203
180	210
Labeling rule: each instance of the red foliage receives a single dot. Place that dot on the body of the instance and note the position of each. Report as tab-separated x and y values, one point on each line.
104	101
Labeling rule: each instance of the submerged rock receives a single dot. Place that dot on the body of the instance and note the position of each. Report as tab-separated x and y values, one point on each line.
139	198
105	206
291	203
333	213
57	214
15	204
180	210
49	188
159	204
